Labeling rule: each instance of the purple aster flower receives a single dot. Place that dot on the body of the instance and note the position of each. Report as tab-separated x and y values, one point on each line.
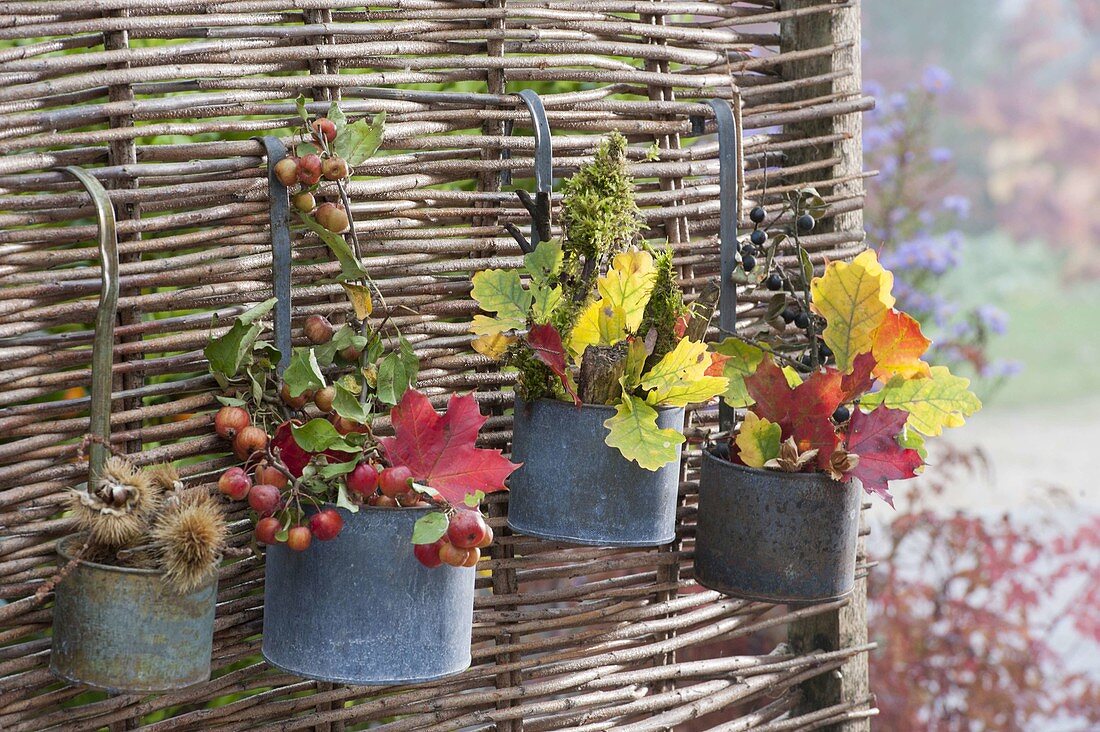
957	205
941	155
992	318
936	80
1002	368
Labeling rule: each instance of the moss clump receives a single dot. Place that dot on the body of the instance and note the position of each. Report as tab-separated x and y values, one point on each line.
599	214
664	308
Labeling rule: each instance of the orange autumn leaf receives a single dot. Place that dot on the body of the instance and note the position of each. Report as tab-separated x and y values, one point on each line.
717	364
898	345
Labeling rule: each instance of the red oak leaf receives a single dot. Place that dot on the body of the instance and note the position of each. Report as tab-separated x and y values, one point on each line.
545	341
803	412
860	380
439	449
874	438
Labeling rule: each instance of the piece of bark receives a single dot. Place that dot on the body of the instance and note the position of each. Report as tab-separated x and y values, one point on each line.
703	311
601	369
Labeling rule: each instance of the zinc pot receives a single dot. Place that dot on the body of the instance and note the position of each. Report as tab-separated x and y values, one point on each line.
124	630
773	536
573	487
360	609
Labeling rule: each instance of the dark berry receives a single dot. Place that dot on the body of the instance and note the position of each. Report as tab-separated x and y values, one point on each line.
806	223
748	262
802	320
824	351
806	360
748	249
758	237
788	314
841	414
757	215
774	281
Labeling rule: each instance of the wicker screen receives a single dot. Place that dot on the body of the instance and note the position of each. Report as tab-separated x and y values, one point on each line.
160	100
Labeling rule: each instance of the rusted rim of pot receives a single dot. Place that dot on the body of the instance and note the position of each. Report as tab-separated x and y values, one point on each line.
814	477
67	551
609	408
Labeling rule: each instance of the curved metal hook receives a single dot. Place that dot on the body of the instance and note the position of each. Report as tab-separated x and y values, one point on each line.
539	206
279	213
731	172
104	341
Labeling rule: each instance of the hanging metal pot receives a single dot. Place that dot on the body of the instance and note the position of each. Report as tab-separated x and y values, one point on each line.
775	537
573	487
360	609
119	628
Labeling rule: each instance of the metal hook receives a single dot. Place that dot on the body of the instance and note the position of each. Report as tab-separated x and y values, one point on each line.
279	213
539	206
731	171
104	341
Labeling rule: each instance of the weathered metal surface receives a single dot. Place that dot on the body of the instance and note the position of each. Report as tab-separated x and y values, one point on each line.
361	609
125	630
279	219
775	537
573	487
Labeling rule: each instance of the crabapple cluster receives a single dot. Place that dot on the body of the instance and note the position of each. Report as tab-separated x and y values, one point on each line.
467	534
306	173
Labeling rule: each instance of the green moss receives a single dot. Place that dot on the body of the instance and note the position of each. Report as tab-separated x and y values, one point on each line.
599	214
664	308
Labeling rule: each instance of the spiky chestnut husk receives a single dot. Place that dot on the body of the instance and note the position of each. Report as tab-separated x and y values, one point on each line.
189	539
164	478
116	512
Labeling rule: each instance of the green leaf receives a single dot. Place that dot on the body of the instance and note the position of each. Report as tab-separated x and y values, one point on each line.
342	500
910	438
230	401
335	470
807	265
300	103
318	435
229	352
500	291
282	534
430	528
544	263
350	268
634	431
943	400
360	140
396	373
546	301
347	406
307	148
254	313
303	372
741	360
473	500
337	116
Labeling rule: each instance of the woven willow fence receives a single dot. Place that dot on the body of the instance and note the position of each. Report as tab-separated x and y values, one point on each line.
159	100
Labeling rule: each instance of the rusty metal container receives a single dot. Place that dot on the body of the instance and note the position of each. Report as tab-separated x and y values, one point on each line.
572	487
125	631
775	537
360	609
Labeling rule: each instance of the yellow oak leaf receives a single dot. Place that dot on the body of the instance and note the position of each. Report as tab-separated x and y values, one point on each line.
599	325
632	262
853	297
493	345
758	441
898	345
934	403
634	431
